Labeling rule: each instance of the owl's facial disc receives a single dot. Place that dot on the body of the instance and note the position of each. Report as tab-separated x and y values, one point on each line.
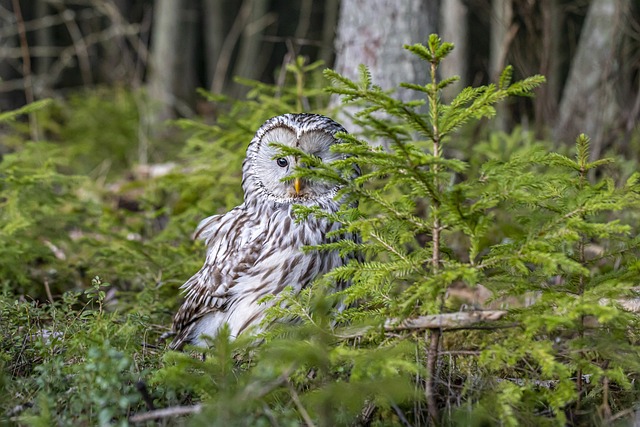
273	172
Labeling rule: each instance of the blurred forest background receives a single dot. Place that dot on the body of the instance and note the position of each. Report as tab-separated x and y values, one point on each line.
588	51
124	122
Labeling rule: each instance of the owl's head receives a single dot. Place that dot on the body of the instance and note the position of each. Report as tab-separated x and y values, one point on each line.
265	171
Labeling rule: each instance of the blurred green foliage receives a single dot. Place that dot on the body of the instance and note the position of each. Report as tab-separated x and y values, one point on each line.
550	233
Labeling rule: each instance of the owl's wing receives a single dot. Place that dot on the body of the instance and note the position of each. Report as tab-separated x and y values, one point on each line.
232	247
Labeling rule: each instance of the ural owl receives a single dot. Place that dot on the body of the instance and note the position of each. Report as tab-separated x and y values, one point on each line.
254	250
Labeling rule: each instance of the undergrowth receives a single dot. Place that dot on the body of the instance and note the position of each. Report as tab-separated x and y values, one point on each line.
450	225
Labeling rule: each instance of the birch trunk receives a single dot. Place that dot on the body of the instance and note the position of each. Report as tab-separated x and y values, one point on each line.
590	101
548	95
502	33
372	32
172	76
453	17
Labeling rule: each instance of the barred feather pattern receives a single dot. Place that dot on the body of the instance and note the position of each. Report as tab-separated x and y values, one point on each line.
254	250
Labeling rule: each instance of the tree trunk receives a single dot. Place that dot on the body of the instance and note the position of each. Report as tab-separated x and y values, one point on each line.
185	87
453	17
165	45
590	103
11	87
43	37
232	36
214	31
247	63
172	75
548	95
502	34
329	24
372	32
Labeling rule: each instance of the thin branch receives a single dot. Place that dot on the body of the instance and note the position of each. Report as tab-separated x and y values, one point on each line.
297	41
111	10
288	58
48	291
9	30
67	55
34	51
389	247
141	386
400	415
304	19
81	48
605	407
222	66
303	412
26	68
173	411
432	368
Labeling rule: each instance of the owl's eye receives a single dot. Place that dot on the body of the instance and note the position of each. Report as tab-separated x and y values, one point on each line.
282	162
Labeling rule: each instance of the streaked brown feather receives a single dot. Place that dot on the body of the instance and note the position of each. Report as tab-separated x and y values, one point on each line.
255	249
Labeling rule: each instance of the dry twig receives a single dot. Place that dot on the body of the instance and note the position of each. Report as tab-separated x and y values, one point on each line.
173	411
26	68
444	322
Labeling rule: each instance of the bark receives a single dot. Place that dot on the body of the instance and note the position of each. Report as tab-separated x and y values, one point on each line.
43	37
12	96
590	101
228	46
453	17
214	31
548	95
502	33
372	32
252	44
187	81
304	19
164	56
329	24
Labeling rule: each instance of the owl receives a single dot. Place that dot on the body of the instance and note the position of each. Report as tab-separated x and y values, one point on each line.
254	250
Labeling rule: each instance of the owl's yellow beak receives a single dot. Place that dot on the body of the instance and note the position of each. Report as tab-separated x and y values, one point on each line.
297	185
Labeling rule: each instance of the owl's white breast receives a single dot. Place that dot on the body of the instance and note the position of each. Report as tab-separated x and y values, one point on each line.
279	263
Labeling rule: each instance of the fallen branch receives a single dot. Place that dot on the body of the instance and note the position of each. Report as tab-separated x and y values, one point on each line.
173	411
446	321
457	320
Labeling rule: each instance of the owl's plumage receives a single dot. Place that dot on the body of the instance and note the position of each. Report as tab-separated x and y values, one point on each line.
254	250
